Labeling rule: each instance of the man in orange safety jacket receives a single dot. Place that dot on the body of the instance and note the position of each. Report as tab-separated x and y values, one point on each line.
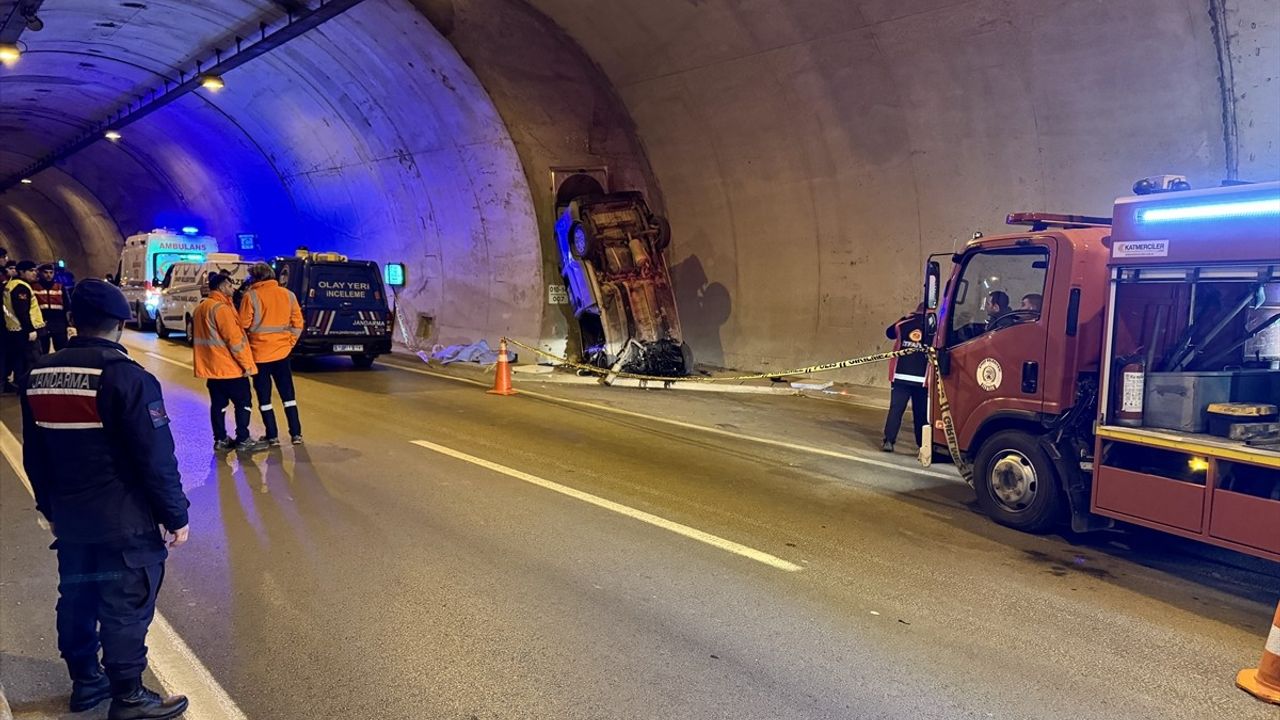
223	359
272	317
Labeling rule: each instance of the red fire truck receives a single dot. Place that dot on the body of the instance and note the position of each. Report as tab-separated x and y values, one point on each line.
1125	368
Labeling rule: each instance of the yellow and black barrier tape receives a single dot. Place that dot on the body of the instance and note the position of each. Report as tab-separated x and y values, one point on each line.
812	369
948	424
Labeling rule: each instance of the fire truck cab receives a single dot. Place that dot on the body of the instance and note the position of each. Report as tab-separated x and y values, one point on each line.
1121	372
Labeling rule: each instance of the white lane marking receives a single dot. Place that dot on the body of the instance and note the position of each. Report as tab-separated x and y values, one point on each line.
702	428
675	527
174	664
171	361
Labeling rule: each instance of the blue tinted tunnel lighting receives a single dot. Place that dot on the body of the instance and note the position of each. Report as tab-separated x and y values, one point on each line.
1216	211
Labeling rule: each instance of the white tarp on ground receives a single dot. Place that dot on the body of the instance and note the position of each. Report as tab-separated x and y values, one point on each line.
477	352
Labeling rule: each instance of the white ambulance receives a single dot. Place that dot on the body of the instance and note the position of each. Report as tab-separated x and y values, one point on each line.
187	283
145	261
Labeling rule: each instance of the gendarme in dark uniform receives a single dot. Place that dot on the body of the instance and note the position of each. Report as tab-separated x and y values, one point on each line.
907	377
98	450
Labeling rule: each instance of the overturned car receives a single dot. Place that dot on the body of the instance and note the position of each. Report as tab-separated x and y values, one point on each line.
611	256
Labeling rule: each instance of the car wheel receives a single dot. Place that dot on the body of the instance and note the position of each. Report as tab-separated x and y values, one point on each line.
162	331
686	354
364	362
143	322
1015	483
190	330
582	243
663	238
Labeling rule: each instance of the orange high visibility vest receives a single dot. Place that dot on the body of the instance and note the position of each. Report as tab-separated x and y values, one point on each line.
220	347
273	319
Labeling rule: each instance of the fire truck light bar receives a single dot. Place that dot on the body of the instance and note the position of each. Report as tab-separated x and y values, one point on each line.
1217	211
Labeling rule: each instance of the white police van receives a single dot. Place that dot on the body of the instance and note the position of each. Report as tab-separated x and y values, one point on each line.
146	260
185	284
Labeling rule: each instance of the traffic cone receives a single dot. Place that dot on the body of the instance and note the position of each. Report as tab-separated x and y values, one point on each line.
502	378
1263	682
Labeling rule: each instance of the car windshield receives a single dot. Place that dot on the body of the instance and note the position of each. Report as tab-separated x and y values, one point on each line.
346	286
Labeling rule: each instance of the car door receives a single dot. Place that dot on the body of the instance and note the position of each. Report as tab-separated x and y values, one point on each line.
996	346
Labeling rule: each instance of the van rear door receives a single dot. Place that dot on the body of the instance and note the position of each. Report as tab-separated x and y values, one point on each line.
345	299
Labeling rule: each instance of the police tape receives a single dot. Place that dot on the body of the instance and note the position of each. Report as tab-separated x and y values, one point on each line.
812	369
948	424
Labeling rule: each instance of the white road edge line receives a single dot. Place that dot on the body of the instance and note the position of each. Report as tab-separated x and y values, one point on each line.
675	527
171	361
694	426
172	661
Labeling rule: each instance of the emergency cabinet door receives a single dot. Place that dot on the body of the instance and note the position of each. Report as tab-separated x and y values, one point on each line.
995	329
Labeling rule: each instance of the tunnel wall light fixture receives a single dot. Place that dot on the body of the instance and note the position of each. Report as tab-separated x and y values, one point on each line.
212	83
25	181
295	24
10	53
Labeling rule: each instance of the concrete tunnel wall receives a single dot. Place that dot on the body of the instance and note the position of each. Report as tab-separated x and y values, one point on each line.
808	154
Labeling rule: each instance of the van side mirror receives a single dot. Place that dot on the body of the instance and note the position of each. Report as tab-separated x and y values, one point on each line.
932	283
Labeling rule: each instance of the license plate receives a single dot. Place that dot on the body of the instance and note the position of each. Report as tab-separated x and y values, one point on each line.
348	348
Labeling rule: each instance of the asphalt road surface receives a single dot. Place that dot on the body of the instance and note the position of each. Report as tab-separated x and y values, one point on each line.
582	553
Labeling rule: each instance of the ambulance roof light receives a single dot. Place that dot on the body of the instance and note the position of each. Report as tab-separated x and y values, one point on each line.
190	230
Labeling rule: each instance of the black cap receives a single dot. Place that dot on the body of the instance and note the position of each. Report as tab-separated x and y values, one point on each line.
26	265
95	298
46	266
216	279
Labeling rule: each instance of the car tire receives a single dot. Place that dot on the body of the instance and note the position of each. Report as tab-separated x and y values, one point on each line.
364	362
162	331
1015	482
191	330
686	354
143	323
582	243
662	240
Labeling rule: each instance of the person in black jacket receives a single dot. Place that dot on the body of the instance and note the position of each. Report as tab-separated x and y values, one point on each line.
100	456
907	376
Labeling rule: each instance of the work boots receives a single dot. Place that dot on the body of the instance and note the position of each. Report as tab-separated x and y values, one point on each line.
89	685
86	694
134	701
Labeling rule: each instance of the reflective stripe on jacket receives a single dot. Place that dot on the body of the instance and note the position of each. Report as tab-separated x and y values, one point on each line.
273	318
910	334
50	299
220	346
12	322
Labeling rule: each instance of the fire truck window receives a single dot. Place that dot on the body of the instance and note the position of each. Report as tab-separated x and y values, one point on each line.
998	289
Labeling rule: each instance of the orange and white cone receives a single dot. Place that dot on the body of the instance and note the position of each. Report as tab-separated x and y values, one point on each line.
1263	682
502	377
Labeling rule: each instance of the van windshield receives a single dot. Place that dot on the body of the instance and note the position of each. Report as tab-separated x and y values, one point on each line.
161	262
346	286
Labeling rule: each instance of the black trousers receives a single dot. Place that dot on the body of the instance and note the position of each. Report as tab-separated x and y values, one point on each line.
279	373
106	600
55	335
919	397
22	354
236	392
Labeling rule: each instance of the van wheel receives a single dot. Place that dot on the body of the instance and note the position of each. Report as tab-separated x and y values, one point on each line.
364	362
582	244
143	323
190	330
162	331
1015	483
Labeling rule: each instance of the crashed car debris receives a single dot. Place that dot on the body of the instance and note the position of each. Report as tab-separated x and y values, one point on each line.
611	255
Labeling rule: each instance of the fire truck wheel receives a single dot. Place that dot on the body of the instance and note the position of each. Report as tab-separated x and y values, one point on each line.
1015	484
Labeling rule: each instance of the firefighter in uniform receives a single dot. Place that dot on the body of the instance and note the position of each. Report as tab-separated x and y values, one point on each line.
51	296
23	321
907	376
98	450
223	359
271	315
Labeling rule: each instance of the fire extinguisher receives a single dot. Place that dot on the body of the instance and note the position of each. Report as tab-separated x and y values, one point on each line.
1132	380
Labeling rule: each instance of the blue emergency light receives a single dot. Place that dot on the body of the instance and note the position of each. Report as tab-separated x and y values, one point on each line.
393	273
1212	211
190	230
